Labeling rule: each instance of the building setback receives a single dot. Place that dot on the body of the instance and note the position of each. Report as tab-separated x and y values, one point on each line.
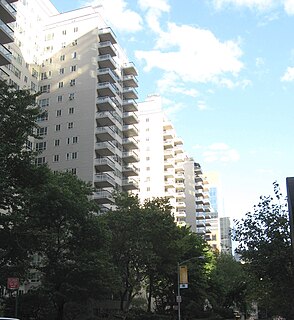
88	93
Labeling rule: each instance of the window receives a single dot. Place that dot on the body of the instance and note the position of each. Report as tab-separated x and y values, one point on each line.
61	71
70	125
147	119
41	160
60	84
147	158
33	86
35	73
59	98
56	142
58	113
67	140
75	140
62	57
148	168
71	96
74	170
147	129
25	79
56	158
68	156
43	117
45	88
42	131
147	139
57	127
71	110
40	146
73	68
74	43
72	82
213	237
74	55
44	103
148	188
63	44
76	29
64	32
74	155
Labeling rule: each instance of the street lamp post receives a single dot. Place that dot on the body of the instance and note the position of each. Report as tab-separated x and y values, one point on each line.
179	298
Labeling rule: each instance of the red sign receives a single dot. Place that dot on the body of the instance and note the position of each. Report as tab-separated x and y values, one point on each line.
12	283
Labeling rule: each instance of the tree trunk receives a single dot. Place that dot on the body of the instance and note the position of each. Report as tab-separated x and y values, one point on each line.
60	310
149	294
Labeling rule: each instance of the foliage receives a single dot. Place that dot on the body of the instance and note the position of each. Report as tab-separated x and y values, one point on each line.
264	246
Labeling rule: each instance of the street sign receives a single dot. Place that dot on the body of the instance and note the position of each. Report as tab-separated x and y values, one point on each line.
12	283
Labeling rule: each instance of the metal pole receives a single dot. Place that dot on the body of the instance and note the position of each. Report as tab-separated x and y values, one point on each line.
179	293
16	303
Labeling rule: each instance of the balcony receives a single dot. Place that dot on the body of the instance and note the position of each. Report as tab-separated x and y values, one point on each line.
130	105
130	118
106	61
6	33
106	89
130	143
105	149
199	185
130	81
169	173
168	134
104	164
103	197
7	12
178	141
167	125
105	118
104	180
130	131
178	150
130	93
199	208
106	47
130	170
129	69
105	104
180	185
169	183
130	156
106	75
5	56
129	184
168	154
180	195
169	163
181	204
106	34
168	143
199	200
105	134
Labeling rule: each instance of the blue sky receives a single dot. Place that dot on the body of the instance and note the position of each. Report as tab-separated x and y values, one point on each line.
225	70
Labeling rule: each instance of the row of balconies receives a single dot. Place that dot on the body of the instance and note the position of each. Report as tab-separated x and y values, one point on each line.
8	15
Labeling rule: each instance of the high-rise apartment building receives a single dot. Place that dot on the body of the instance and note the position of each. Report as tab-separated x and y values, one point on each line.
161	158
225	231
88	93
198	207
7	17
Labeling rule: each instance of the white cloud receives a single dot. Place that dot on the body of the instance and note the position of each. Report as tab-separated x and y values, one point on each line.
117	13
218	152
201	105
261	5
154	9
289	6
205	59
288	75
171	83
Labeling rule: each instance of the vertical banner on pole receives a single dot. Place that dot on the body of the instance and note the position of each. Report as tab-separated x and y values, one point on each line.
183	277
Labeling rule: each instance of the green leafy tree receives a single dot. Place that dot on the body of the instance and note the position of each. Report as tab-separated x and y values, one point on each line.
18	114
228	285
71	241
265	248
